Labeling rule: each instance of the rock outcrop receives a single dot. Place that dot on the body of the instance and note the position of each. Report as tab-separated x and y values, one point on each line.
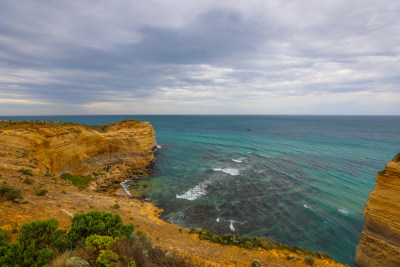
380	239
110	152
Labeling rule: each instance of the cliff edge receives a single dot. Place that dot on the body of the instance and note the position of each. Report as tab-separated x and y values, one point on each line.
380	239
124	148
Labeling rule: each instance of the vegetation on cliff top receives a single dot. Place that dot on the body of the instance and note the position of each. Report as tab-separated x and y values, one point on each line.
98	238
77	180
255	242
100	128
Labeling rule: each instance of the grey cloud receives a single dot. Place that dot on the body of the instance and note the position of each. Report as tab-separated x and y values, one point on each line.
87	52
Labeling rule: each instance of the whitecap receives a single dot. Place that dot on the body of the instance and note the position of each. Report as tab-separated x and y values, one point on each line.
217	219
343	211
125	186
195	192
158	146
230	171
307	207
237	160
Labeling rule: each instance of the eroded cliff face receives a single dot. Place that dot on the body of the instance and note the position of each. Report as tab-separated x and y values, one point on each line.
380	239
79	149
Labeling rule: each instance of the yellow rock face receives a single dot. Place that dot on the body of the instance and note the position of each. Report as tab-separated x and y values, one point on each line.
380	239
78	149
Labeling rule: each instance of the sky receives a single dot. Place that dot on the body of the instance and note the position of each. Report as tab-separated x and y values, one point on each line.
200	57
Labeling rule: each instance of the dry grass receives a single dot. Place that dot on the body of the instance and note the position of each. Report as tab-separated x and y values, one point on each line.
60	259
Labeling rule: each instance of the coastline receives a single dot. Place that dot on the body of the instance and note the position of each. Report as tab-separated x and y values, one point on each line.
144	215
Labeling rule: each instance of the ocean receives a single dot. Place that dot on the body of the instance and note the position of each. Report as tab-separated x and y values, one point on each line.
302	180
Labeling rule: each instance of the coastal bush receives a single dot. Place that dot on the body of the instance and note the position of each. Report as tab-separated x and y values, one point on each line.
77	180
100	238
10	192
33	246
116	206
42	192
309	260
98	222
107	168
25	172
108	258
28	180
43	234
98	242
5	235
254	242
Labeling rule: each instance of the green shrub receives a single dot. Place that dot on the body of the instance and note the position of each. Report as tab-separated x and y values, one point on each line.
309	260
108	258
115	206
107	168
42	192
63	192
5	235
32	247
43	234
10	192
28	180
98	242
4	189
26	172
97	222
77	180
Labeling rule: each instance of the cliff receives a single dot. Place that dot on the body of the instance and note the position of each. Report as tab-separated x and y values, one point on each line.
380	239
125	148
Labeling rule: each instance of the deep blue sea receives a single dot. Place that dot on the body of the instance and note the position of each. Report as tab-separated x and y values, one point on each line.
303	180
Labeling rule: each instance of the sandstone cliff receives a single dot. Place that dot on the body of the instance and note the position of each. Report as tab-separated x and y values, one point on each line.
125	148
380	239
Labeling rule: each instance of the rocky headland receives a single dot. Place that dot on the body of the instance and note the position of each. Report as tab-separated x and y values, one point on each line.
42	160
380	239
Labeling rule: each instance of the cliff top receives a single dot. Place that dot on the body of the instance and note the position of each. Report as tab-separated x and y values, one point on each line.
36	124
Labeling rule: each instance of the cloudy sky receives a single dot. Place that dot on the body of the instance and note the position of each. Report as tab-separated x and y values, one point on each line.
199	57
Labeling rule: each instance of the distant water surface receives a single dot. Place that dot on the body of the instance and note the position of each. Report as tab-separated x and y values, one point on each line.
302	180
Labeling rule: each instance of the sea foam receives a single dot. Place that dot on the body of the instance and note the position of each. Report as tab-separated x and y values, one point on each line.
125	186
231	225
195	192
343	211
239	160
230	171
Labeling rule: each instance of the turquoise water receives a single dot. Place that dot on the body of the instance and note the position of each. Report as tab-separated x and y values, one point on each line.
302	180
